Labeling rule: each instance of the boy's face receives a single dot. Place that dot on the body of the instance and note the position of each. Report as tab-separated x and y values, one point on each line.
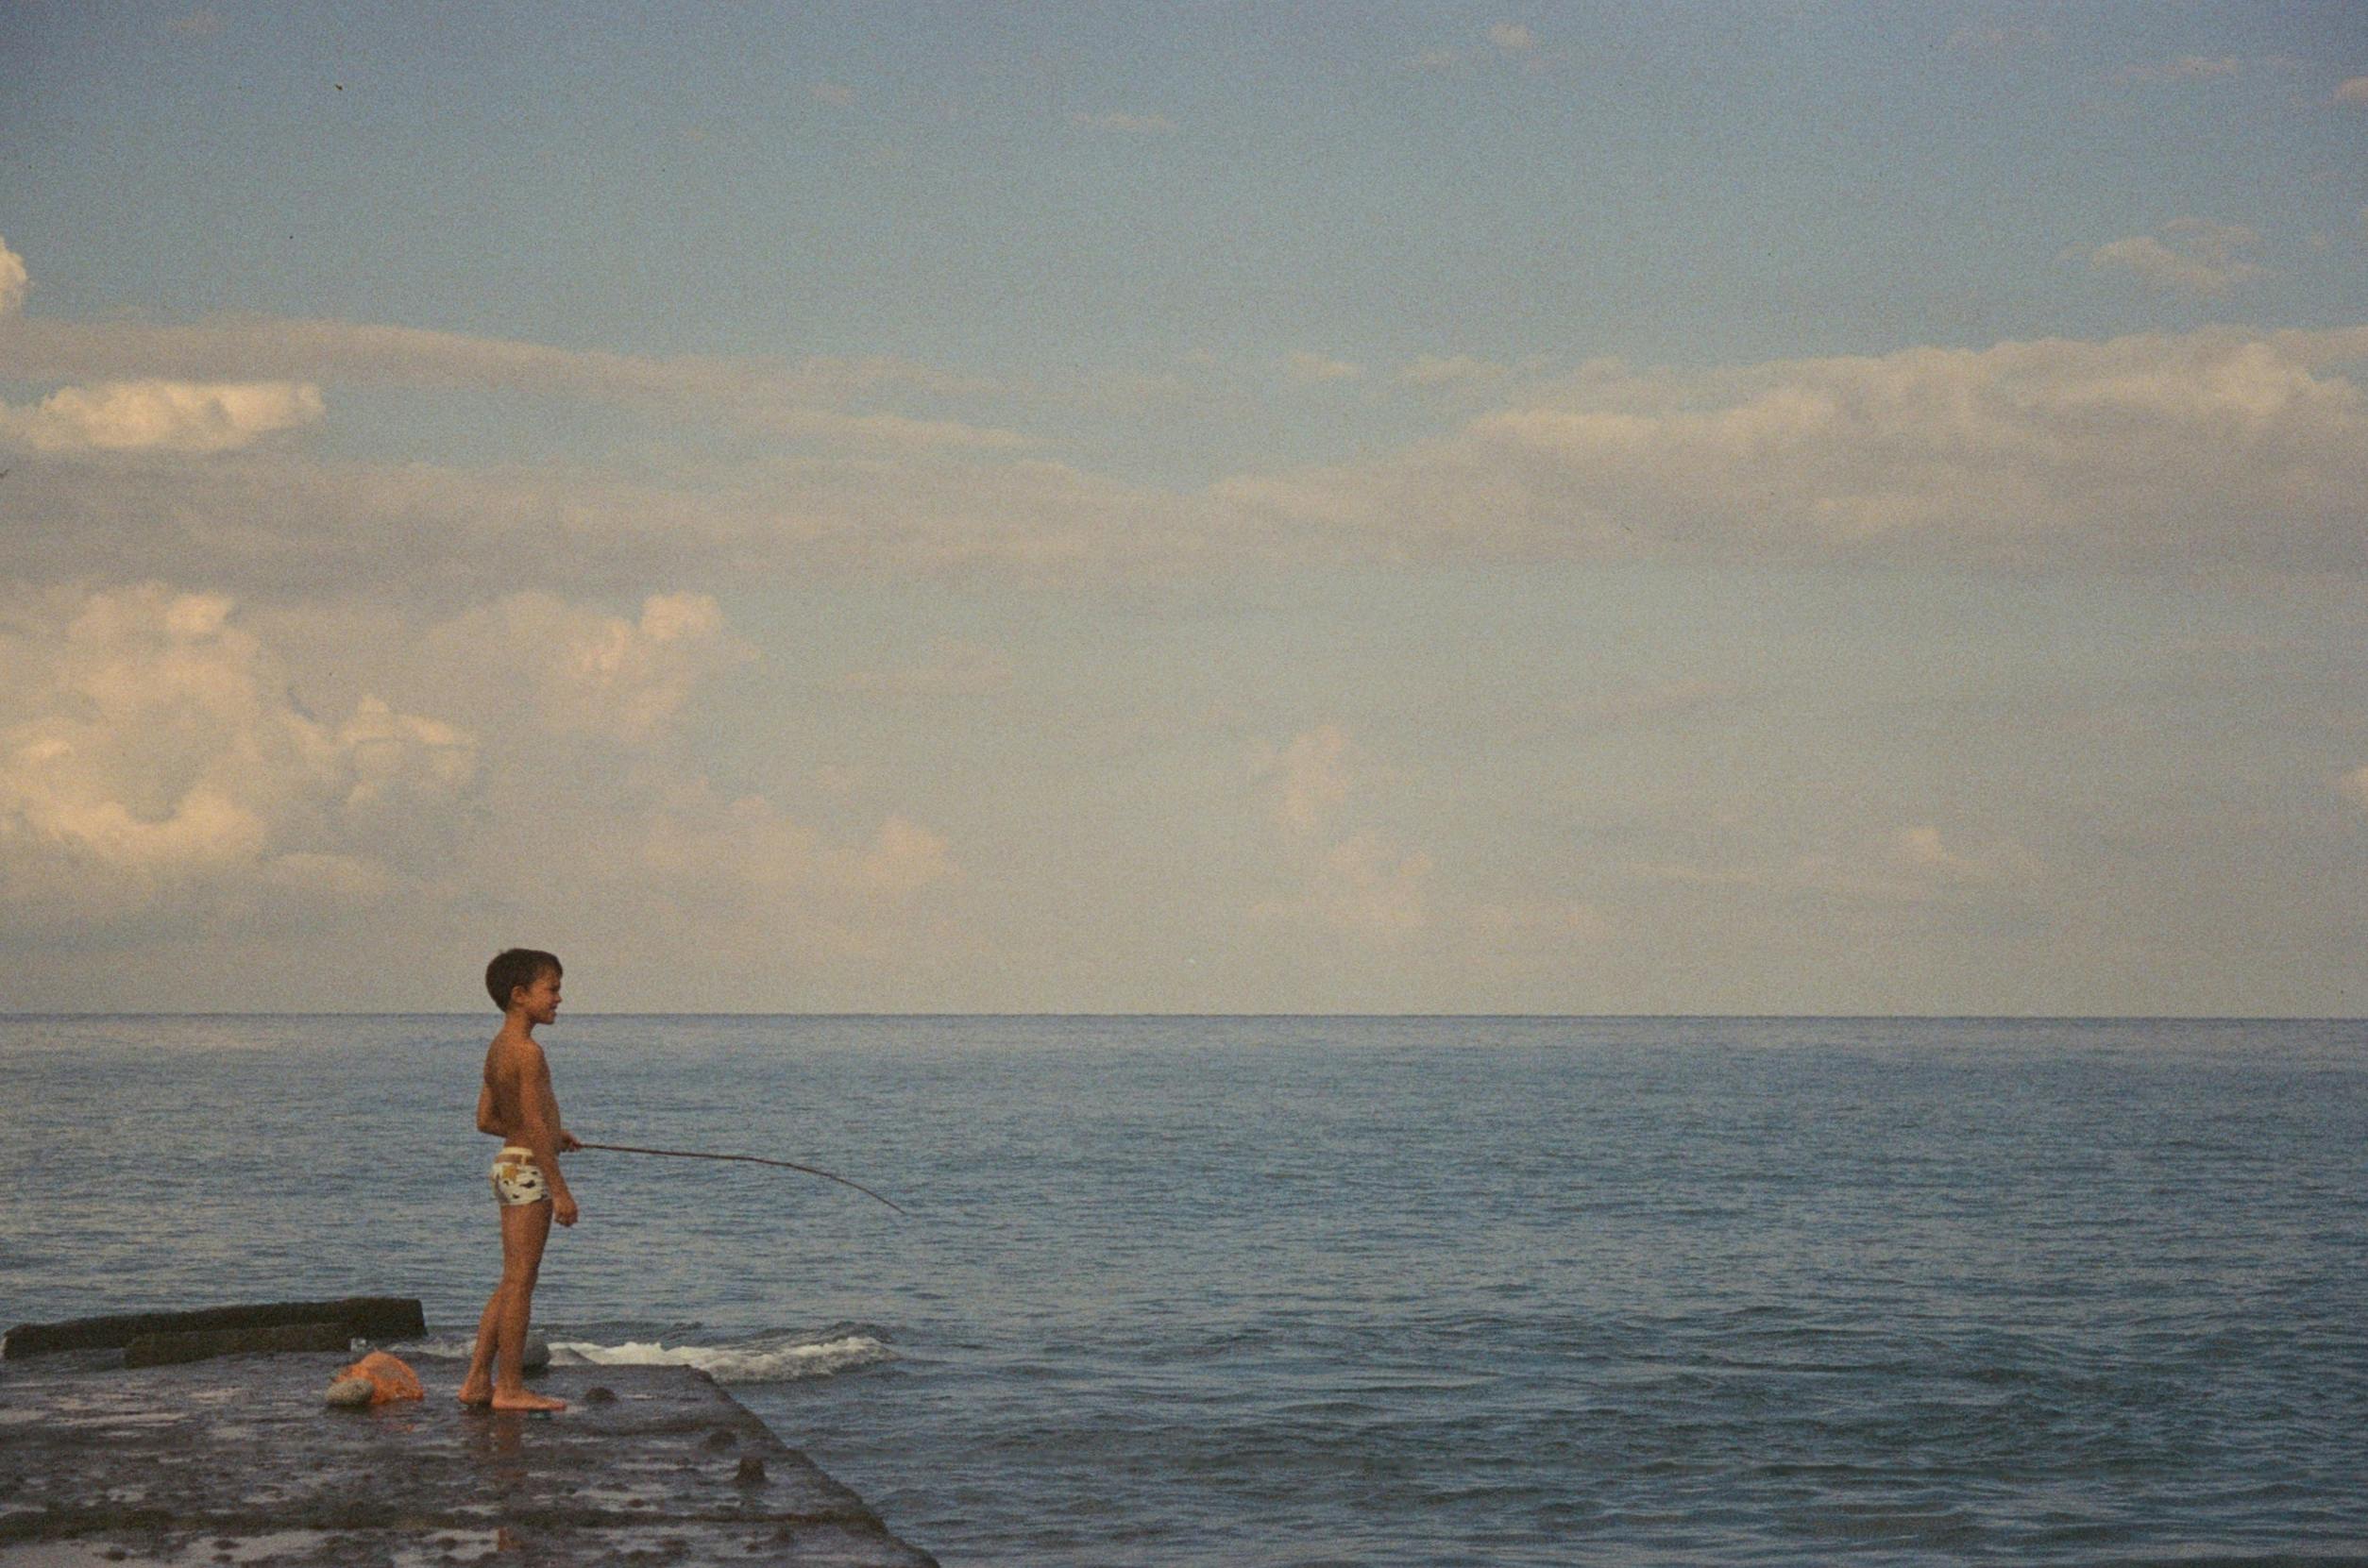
540	1001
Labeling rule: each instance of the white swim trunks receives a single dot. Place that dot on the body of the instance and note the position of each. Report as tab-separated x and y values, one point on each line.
516	1179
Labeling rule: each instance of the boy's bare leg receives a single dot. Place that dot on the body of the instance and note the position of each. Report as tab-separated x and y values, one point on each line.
502	1333
477	1386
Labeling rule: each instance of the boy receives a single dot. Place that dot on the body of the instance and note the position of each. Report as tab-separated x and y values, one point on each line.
516	1106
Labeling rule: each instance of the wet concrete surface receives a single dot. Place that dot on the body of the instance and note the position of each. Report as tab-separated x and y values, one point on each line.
238	1462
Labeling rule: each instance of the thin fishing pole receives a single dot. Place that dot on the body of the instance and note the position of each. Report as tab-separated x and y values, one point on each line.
752	1160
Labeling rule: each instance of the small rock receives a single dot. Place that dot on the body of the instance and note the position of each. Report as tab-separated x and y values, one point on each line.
751	1472
535	1356
350	1391
599	1395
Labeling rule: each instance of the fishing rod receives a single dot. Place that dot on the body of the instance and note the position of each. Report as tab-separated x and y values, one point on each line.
752	1160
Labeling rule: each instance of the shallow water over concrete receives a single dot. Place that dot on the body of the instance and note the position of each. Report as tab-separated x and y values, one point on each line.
239	1462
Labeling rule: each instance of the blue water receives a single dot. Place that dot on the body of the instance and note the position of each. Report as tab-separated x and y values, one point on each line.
1298	1290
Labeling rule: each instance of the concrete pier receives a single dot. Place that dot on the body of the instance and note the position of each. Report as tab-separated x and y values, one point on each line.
237	1460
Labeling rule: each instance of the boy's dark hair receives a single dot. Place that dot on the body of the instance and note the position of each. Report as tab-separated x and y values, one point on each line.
517	967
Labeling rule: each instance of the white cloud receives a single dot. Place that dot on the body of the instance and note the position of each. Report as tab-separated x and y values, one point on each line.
2195	256
2353	786
905	857
1364	886
162	416
594	673
1514	38
150	749
1308	368
1311	776
2211	448
2353	91
1450	370
14	281
824	397
1124	124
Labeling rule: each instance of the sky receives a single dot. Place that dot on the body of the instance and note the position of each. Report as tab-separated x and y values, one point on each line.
1199	507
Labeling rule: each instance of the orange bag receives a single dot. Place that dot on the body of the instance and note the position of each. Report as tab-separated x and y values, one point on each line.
387	1377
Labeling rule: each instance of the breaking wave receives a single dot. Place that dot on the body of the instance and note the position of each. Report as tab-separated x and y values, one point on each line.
748	1363
768	1359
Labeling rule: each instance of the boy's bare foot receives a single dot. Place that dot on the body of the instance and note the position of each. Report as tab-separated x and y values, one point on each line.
474	1393
525	1401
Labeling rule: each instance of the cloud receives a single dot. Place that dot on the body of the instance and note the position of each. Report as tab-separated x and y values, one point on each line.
2195	255
905	857
820	398
14	281
2211	448
197	24
1126	124
592	673
2353	91
1451	370
2214	451
2353	786
150	751
1311	776
949	668
1915	865
1310	370
160	416
1513	38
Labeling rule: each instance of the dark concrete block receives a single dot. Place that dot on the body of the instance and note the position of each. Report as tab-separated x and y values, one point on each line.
164	1350
379	1318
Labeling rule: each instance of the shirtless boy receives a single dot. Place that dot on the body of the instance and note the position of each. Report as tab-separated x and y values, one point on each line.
516	1106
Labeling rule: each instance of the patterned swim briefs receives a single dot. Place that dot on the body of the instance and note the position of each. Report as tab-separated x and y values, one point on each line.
516	1179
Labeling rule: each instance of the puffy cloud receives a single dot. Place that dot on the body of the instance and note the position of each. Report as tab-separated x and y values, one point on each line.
1514	38
150	749
1365	885
809	398
905	857
593	673
753	882
2195	255
2353	91
1312	777
2209	448
1306	367
162	416
1450	370
14	281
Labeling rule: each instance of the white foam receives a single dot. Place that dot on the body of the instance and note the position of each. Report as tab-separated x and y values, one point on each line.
737	1363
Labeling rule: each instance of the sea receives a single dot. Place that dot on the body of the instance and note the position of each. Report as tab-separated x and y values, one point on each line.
1337	1290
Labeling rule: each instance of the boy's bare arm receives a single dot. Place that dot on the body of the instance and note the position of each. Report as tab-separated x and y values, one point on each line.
485	1107
542	1131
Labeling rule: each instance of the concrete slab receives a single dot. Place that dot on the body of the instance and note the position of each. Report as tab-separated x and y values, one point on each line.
238	1462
